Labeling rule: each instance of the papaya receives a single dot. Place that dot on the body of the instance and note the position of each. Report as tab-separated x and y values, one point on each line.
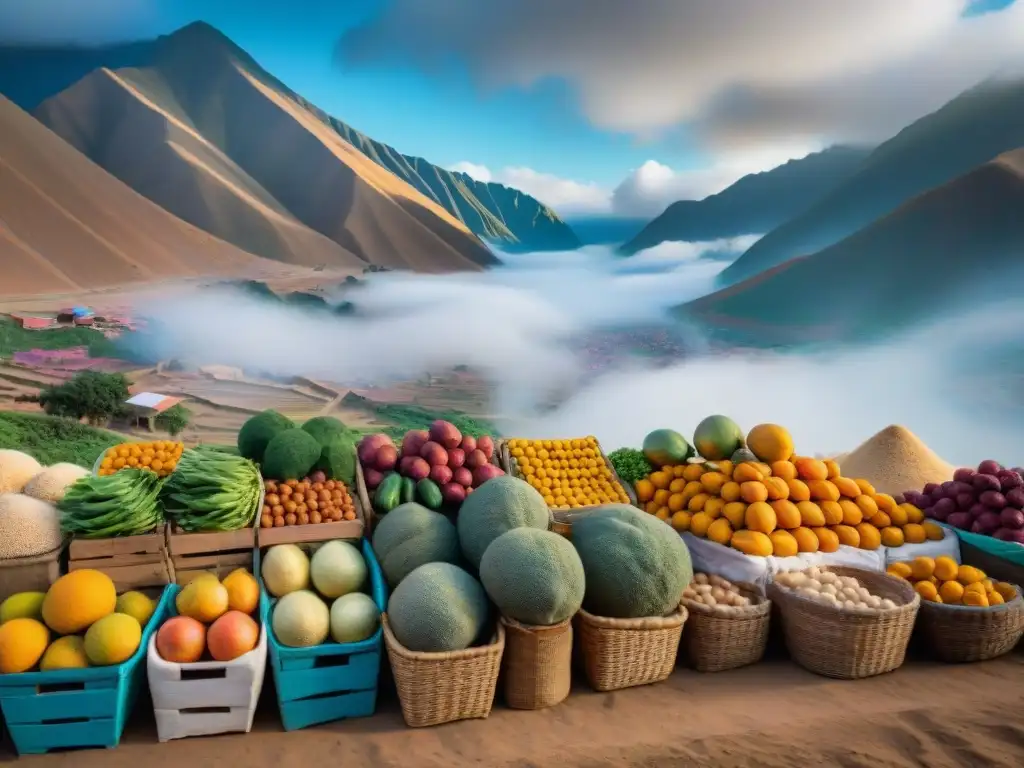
747	473
932	531
786	513
712	482
851	512
760	517
699	524
713	507
752	543
870	538
697	502
798	490
776	488
828	540
897	515
880	520
914	515
783	544
848	535
806	541
736	513
946	568
865	486
770	442
753	491
867	505
720	531
811	469
823	490
892	536
832	467
885	502
846	486
832	511
784	469
914	533
811	514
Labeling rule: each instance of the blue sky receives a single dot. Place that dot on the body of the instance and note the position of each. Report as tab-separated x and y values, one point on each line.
575	136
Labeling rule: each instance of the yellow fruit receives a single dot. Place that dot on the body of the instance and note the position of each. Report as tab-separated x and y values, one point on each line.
720	531
811	514
951	592
865	486
901	570
243	591
66	652
712	482
786	513
870	538
806	541
828	540
678	485
946	568
112	639
661	497
833	469
660	480
693	472
23	605
846	486
752	543
867	505
922	568
880	520
832	511
137	605
926	590
994	598
681	521
203	599
692	488
747	473
22	644
78	599
810	469
897	514
644	490
976	598
736	513
730	491
968	574
915	515
798	490
851	512
913	533
760	517
776	488
892	537
847	534
663	513
1005	590
753	490
699	524
784	469
783	544
714	507
823	490
770	443
932	531
697	503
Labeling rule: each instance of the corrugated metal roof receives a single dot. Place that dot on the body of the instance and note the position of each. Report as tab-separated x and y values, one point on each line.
153	401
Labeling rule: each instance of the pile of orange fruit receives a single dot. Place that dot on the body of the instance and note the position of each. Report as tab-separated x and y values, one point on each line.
569	474
780	504
942	580
159	456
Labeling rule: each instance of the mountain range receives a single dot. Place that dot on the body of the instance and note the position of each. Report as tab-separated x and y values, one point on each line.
32	76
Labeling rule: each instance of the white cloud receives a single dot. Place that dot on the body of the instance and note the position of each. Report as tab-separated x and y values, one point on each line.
740	73
565	196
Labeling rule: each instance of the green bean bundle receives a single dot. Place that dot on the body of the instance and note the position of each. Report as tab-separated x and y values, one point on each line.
125	503
212	491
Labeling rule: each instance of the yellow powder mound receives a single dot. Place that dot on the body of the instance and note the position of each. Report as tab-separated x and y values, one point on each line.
895	460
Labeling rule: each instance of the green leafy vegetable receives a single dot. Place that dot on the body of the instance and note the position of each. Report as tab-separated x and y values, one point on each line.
630	464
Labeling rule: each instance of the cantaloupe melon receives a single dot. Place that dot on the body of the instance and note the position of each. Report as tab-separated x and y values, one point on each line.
411	535
285	568
499	505
301	619
533	576
635	565
337	568
438	607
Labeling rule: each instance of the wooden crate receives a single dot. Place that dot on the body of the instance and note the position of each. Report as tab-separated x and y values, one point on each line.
133	562
216	552
314	532
30	574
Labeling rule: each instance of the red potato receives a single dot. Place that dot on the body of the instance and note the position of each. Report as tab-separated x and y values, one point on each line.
468	443
368	447
446	434
413	441
476	459
387	457
487	472
435	454
440	475
456	458
463	476
453	493
405	464
485	443
372	477
418	468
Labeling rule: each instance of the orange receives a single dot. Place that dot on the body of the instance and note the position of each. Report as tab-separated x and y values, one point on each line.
243	591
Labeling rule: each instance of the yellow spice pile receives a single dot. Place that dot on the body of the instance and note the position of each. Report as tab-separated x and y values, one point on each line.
895	460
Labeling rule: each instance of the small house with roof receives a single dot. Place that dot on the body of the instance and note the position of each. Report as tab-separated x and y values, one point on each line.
144	407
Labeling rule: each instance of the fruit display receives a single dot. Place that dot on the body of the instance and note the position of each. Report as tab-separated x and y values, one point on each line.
28	526
286	451
630	464
125	503
988	500
158	456
212	491
844	592
713	593
213	621
569	474
439	467
319	599
943	580
778	506
16	469
311	500
79	622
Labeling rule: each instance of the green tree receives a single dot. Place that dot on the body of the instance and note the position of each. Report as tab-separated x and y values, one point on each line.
174	419
91	395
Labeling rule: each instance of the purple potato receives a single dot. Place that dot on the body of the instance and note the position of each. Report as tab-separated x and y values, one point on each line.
977	509
1015	498
948	487
982	482
959	487
931	488
993	500
961	520
963	475
1018	470
1011	518
930	513
1008	534
986	522
965	500
989	467
945	506
914	497
1009	480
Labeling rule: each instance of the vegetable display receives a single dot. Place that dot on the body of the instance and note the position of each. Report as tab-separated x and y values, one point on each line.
437	468
782	508
988	500
568	473
630	464
311	500
125	503
286	451
212	491
943	580
844	592
160	457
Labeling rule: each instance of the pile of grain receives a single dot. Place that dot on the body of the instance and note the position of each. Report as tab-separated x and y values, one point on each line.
895	460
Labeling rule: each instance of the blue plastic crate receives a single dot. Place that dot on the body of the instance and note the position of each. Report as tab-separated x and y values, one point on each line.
332	681
71	708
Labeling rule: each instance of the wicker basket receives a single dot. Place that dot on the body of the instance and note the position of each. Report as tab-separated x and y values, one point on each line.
621	653
537	664
961	633
436	688
715	643
835	642
30	574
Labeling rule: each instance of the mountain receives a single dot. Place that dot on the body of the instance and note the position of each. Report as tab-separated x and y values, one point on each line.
67	225
955	247
30	74
201	133
755	204
976	126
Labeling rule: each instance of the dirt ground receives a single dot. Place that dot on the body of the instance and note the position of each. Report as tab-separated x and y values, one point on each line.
772	715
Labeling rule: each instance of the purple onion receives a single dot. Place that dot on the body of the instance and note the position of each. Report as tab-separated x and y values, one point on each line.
987	522
982	482
989	467
959	487
961	520
944	506
948	487
965	500
1011	518
977	509
1015	498
993	499
963	475
930	513
1009	480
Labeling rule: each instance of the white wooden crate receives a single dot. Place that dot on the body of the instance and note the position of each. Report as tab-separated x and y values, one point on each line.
206	697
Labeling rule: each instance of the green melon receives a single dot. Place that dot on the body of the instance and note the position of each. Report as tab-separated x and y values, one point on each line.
635	564
499	505
438	607
666	447
533	576
410	536
717	438
325	429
